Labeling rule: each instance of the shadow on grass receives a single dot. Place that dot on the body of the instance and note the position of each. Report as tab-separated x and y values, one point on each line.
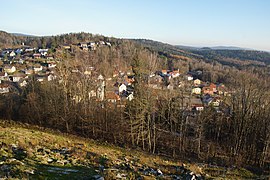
62	172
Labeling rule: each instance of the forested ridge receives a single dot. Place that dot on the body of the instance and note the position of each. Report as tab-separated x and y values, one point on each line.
156	120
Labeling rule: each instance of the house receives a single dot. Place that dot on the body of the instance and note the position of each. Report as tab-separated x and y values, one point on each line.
222	90
189	77
36	56
21	61
18	51
29	49
83	44
51	77
130	97
196	104
170	87
49	57
122	88
12	54
43	52
112	97
17	77
164	71
130	79
108	44
3	76
4	88
29	71
38	68
175	73
198	107
51	65
197	82
92	46
207	90
22	82
196	90
66	47
102	43
211	89
216	102
41	78
92	93
9	69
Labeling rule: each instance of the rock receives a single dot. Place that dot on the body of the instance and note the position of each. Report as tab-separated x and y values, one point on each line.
159	172
29	171
49	160
119	176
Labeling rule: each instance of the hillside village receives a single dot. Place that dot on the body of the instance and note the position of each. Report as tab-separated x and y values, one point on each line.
19	66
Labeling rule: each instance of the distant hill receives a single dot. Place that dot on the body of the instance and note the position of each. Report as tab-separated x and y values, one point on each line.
20	34
228	48
212	47
226	55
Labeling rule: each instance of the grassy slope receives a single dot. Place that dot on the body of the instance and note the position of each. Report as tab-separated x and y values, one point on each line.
28	152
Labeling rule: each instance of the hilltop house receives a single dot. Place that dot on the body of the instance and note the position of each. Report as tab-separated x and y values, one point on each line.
66	47
9	69
43	52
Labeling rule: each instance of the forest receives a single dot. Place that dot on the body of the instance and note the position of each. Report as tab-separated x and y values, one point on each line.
156	121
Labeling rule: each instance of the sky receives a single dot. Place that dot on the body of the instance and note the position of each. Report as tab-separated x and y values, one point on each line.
242	23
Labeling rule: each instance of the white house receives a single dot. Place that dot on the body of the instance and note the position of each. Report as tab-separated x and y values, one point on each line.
43	52
17	77
122	88
189	77
130	97
198	107
51	77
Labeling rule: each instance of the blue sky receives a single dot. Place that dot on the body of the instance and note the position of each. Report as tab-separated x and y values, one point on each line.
244	23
